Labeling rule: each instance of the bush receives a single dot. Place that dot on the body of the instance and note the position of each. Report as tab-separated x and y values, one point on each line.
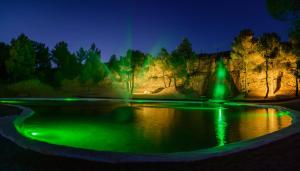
31	88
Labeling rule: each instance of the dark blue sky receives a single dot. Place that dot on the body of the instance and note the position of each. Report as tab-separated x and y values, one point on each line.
147	25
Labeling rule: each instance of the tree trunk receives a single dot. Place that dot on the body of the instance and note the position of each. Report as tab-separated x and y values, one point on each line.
267	80
170	81
246	83
297	88
164	79
132	82
174	76
127	85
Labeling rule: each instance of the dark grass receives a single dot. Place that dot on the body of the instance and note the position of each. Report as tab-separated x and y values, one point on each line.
280	155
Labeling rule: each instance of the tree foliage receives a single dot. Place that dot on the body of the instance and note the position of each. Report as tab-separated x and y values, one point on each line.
21	64
269	46
4	55
43	61
182	60
284	10
93	69
66	62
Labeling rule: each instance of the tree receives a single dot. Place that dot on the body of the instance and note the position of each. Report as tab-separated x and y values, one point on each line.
125	71
113	63
164	57
81	56
136	61
129	66
4	55
182	60
21	63
268	46
93	69
289	11
284	10
42	62
66	62
242	48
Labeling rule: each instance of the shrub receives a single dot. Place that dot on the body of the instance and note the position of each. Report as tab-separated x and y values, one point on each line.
30	88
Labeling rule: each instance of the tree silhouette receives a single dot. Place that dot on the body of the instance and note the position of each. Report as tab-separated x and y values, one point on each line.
4	55
21	64
113	63
42	62
93	69
81	56
66	63
181	60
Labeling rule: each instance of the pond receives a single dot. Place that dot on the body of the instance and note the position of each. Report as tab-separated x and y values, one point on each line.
146	126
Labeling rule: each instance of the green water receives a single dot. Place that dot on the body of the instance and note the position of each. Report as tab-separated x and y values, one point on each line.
146	127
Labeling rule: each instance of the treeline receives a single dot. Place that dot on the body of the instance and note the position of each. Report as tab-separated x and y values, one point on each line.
25	59
265	53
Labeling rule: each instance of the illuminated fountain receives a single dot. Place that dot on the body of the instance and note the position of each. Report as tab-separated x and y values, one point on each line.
220	83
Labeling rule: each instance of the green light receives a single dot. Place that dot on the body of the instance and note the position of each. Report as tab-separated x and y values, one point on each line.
145	128
70	99
221	128
220	88
282	113
199	108
34	133
10	101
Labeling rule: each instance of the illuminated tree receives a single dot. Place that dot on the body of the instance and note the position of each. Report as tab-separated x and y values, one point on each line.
164	57
242	47
289	11
182	60
125	71
136	61
268	46
21	63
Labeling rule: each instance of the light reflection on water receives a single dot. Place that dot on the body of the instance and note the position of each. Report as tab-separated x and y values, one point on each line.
148	127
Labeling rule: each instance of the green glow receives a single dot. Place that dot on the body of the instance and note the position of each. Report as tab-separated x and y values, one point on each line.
145	127
11	101
283	113
34	133
220	88
71	99
221	128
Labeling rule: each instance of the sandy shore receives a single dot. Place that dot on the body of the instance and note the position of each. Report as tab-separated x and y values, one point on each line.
280	155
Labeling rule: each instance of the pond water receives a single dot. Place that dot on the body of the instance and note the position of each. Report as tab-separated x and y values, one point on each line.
146	127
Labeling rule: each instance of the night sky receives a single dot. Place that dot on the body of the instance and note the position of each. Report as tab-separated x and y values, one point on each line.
147	25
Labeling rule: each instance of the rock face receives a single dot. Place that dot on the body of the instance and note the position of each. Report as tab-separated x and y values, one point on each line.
251	81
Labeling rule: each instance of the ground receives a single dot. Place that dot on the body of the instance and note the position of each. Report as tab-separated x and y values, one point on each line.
280	155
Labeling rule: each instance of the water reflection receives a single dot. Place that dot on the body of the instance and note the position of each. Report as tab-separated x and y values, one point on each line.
258	122
155	122
149	127
220	126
